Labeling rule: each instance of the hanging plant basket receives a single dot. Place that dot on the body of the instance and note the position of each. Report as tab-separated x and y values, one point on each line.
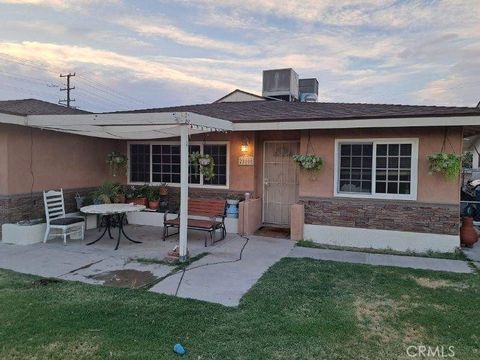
309	162
117	162
204	163
446	164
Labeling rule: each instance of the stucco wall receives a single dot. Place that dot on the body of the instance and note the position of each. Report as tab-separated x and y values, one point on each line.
56	160
3	160
431	188
241	178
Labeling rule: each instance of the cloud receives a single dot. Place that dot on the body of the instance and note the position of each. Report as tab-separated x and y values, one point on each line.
58	4
162	28
57	57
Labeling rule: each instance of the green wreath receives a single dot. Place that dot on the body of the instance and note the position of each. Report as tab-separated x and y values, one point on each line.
205	163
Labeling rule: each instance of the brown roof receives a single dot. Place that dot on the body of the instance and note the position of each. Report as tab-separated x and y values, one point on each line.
35	107
258	111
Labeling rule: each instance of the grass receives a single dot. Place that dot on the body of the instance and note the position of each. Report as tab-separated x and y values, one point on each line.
457	255
299	309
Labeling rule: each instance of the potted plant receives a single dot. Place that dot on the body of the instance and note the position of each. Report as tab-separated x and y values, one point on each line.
204	163
163	189
309	162
107	192
136	195
117	162
446	164
120	197
232	208
233	199
153	197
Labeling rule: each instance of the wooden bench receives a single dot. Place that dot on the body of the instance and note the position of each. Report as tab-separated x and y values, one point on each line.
209	216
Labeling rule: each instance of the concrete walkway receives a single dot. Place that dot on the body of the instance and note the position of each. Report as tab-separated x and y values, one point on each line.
354	257
221	277
473	253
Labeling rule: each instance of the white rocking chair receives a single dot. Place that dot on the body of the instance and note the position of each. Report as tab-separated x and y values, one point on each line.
56	219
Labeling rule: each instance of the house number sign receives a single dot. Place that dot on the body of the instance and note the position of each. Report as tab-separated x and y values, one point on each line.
245	160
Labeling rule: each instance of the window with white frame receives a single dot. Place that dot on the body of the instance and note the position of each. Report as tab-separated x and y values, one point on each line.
376	168
159	162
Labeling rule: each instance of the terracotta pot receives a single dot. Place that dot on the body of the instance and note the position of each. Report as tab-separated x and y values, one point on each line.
153	205
138	201
468	234
163	191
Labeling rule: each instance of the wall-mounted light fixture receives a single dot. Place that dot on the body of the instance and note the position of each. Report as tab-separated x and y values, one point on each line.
244	146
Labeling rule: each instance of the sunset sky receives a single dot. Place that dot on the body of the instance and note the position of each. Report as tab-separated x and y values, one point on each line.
137	54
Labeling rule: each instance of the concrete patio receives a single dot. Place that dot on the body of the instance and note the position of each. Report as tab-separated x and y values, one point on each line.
227	270
220	279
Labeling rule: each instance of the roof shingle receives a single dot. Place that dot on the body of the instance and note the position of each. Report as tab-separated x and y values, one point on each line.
35	107
264	111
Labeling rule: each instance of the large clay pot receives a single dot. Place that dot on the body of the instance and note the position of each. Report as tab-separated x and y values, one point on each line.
153	204
468	234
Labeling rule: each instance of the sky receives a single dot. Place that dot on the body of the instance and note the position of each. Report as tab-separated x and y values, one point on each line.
143	54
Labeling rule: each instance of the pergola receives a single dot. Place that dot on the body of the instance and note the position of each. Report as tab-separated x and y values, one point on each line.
135	126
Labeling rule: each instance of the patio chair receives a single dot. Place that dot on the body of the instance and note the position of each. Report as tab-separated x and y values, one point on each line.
56	219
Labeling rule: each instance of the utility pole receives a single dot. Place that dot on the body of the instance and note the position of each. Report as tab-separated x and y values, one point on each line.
68	100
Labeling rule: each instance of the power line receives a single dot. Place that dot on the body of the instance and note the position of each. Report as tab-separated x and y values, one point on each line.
105	94
107	103
68	100
99	86
28	91
104	87
48	83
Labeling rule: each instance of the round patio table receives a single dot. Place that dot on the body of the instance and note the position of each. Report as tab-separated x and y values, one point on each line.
110	211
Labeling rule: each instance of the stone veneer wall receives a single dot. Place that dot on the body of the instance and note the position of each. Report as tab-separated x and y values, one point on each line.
18	207
383	214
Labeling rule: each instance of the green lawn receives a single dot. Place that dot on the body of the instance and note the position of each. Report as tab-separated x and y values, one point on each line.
300	309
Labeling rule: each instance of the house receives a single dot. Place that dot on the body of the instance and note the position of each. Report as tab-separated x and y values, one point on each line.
374	189
239	95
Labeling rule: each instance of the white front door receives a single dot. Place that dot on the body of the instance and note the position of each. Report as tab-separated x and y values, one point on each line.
280	181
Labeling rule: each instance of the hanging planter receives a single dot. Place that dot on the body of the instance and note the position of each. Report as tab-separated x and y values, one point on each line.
311	163
117	162
205	163
446	164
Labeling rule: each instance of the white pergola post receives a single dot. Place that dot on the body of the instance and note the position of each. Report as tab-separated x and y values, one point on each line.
184	153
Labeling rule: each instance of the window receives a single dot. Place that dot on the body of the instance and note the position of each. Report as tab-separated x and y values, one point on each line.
356	167
376	168
139	163
219	154
164	161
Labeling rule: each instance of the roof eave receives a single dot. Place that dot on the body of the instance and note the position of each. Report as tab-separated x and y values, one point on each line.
360	123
